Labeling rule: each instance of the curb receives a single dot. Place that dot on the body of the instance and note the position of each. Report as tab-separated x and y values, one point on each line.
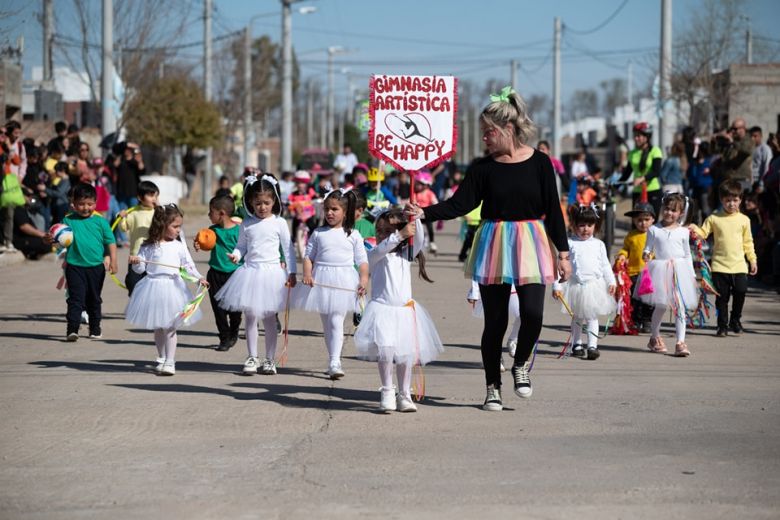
8	259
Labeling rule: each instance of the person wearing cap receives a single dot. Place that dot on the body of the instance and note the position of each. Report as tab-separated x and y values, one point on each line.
378	197
645	162
642	217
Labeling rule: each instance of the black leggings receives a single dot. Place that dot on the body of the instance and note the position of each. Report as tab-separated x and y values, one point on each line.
495	301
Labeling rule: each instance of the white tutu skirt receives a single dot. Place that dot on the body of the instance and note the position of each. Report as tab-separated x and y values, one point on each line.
514	308
388	332
334	291
258	289
683	292
157	301
589	300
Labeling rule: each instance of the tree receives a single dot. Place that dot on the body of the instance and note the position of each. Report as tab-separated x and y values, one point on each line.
613	95
538	106
173	112
584	103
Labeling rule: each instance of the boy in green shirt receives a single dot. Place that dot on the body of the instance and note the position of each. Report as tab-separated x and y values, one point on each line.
86	261
363	226
221	210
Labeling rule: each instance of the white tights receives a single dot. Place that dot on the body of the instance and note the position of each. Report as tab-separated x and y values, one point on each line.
333	329
403	373
269	325
658	316
165	341
592	327
515	329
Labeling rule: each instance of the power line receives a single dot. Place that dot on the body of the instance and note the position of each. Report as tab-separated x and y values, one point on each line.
599	26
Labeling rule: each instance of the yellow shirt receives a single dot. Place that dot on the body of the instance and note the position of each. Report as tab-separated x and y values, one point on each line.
733	241
633	246
137	224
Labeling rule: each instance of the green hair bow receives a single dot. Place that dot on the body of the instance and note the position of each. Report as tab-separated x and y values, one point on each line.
503	95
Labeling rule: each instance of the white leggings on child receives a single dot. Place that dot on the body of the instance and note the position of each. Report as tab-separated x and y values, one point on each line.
592	327
269	325
333	329
658	316
165	341
403	373
515	328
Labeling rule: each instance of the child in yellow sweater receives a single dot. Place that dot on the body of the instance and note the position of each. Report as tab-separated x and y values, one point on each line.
733	242
642	217
136	223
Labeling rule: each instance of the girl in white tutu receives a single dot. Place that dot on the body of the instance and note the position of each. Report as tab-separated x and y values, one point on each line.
158	298
589	292
395	328
332	285
668	256
259	287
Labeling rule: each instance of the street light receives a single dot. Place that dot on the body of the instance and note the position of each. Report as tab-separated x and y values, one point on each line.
286	80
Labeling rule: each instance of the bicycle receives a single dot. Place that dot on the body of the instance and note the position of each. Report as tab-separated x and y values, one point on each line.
607	204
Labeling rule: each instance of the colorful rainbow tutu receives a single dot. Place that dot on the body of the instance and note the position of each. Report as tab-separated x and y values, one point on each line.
516	252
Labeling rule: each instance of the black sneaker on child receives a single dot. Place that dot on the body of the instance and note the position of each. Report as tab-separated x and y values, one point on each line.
278	326
356	317
722	332
644	328
593	353
224	345
578	352
735	327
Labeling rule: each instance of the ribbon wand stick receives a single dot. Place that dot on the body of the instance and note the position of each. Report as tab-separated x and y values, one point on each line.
412	200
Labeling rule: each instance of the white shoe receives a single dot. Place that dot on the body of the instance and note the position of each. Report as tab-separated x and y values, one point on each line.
511	346
160	362
168	368
84	318
405	403
335	371
250	365
73	336
432	248
269	367
387	400
493	401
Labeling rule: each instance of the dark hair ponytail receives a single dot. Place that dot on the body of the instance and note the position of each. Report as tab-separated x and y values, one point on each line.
163	216
348	202
398	219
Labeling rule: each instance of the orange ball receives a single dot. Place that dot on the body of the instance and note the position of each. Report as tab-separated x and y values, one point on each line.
206	239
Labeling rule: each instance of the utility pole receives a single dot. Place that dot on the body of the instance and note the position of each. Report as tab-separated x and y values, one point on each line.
286	86
48	35
630	84
310	114
350	99
330	108
664	135
557	88
247	95
513	74
748	43
205	196
341	131
108	119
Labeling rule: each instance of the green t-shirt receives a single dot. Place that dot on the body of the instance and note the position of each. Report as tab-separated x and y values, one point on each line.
635	158
365	228
91	235
226	243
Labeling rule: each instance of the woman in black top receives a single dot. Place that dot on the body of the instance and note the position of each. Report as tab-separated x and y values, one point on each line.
520	210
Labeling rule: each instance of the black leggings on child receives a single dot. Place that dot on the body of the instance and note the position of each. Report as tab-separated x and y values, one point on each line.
495	301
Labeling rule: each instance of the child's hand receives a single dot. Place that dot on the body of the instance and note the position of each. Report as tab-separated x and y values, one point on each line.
106	263
473	303
47	239
113	268
233	258
195	245
204	282
692	227
558	295
611	289
292	280
753	268
361	290
123	213
135	260
408	231
646	257
308	280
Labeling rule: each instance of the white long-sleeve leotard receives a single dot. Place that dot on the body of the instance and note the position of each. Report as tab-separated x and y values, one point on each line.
262	241
171	252
589	261
332	247
391	278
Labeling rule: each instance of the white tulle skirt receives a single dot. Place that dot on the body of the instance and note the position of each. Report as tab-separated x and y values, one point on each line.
334	291
589	300
157	301
403	334
674	283
258	289
514	307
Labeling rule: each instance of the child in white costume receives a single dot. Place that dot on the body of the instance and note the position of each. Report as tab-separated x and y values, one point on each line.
158	298
589	292
332	286
259	287
668	256
396	328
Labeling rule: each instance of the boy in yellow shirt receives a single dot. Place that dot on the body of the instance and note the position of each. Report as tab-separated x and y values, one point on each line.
136	223
642	217
733	242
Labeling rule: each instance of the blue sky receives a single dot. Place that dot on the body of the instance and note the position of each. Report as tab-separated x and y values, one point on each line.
471	39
